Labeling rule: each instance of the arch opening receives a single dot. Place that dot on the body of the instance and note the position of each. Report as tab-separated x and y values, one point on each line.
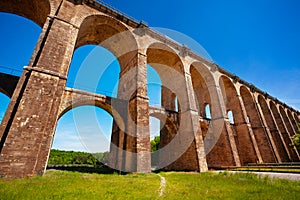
238	122
277	127
286	121
260	134
35	10
94	69
154	87
16	48
4	101
292	120
167	64
163	129
85	129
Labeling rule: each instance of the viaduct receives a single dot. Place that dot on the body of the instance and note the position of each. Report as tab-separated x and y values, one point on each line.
190	138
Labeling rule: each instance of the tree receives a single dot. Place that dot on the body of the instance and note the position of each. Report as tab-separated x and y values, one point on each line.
155	143
296	139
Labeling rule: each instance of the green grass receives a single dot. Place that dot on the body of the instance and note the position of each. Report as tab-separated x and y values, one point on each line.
229	186
75	185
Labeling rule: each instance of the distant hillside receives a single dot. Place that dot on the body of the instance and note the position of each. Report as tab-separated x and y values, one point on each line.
60	157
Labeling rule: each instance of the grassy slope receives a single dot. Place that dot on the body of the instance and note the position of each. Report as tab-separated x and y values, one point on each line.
74	185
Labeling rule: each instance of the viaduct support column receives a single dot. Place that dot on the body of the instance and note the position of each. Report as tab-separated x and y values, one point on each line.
133	88
192	112
30	121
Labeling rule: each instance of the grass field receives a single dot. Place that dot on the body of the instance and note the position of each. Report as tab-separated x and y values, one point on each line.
75	185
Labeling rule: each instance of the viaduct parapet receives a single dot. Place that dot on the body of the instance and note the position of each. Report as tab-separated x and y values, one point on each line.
191	139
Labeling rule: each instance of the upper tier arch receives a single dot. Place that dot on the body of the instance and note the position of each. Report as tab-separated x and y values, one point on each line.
35	10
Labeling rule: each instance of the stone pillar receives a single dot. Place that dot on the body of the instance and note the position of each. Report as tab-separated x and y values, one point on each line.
133	89
167	99
191	113
30	121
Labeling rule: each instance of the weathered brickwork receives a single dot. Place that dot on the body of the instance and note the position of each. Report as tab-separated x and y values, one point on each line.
261	131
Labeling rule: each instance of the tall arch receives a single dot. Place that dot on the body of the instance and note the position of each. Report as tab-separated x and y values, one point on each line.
35	10
297	118
286	121
282	131
242	136
257	126
110	34
168	65
290	130
219	147
292	120
201	91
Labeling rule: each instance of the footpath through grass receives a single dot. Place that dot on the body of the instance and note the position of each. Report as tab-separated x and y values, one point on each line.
75	185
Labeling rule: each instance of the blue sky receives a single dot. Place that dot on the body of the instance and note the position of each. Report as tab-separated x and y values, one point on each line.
257	40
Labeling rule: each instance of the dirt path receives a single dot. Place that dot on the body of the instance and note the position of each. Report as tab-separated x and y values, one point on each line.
162	186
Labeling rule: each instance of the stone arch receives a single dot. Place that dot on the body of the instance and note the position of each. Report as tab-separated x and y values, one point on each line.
76	102
292	120
214	131
201	91
35	10
109	33
241	132
165	61
161	54
168	129
257	126
297	118
281	129
286	121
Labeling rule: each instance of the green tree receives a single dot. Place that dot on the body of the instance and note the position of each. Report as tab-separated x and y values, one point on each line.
155	143
296	139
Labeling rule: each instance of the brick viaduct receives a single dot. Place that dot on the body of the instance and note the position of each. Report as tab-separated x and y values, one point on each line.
260	132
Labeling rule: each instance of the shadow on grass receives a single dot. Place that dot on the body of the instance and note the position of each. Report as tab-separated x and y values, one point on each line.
101	169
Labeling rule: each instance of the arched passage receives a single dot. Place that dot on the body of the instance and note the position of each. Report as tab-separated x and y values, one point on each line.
84	128
118	41
201	91
168	65
257	126
216	138
242	137
202	94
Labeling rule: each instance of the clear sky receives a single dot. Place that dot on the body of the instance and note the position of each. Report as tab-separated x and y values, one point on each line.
257	40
